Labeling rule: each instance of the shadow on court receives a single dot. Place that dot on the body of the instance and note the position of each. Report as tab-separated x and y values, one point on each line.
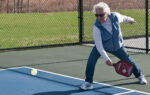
69	92
97	90
122	79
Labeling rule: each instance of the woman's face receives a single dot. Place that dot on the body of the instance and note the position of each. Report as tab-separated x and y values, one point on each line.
101	15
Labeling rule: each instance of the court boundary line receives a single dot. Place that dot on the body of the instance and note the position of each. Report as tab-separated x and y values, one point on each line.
84	80
3	68
129	90
124	92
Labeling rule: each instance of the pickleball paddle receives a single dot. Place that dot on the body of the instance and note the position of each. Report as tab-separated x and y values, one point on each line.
123	68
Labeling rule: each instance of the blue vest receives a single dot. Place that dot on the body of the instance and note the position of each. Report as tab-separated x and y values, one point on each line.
114	41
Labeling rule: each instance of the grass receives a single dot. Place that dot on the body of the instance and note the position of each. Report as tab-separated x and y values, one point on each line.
17	30
21	30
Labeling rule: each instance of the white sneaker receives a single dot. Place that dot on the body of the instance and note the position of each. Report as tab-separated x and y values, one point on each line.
86	86
142	79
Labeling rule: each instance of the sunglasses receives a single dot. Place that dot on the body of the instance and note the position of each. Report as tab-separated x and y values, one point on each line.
99	15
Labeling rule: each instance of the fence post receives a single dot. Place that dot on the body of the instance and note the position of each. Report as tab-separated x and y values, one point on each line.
18	6
21	5
7	6
28	4
39	5
147	22
0	5
14	6
80	21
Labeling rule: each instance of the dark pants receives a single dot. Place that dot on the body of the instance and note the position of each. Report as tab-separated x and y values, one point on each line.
121	53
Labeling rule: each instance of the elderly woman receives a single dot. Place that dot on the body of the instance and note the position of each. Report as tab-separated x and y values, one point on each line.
108	38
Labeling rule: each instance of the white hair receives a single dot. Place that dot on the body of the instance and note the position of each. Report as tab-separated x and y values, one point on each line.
103	6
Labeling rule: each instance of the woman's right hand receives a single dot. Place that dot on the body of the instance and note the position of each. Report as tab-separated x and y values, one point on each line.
109	63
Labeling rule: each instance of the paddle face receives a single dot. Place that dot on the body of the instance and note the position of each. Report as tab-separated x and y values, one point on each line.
124	68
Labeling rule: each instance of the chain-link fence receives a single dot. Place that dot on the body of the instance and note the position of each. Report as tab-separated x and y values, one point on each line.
30	23
134	35
26	23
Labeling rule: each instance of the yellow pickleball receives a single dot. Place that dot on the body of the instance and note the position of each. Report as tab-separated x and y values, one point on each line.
34	72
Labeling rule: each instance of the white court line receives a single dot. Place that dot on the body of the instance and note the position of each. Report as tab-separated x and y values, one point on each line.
94	81
2	69
130	90
123	93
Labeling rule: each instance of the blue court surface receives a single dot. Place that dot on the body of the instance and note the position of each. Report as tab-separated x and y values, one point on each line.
19	81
